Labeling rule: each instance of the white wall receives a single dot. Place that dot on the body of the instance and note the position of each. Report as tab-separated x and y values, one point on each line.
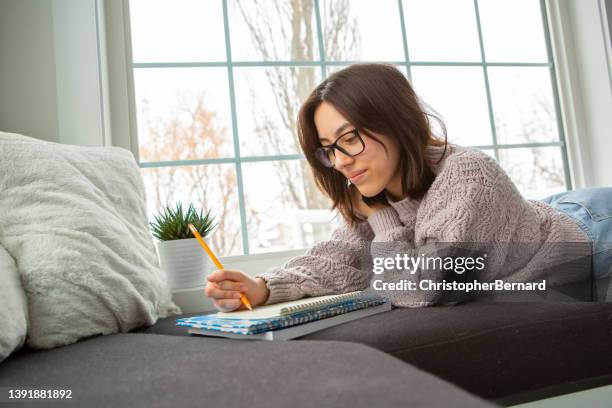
52	78
80	77
28	95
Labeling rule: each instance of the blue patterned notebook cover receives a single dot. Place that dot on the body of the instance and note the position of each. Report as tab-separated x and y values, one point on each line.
254	326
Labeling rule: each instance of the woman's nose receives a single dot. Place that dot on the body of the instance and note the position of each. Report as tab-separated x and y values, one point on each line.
341	160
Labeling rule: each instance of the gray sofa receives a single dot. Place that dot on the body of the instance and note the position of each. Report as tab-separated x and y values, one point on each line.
459	356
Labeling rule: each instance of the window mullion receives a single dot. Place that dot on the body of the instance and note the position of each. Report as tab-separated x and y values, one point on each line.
232	97
320	39
404	39
486	78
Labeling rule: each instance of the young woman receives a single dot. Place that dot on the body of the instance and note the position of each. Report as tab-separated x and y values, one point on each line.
369	142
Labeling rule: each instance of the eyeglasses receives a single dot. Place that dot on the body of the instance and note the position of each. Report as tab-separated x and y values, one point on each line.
349	143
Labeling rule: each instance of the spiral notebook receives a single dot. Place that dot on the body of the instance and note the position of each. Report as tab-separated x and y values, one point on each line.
290	319
296	306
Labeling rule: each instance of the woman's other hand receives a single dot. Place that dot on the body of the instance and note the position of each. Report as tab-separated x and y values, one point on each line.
225	285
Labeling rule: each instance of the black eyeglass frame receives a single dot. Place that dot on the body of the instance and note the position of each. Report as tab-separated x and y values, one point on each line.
322	151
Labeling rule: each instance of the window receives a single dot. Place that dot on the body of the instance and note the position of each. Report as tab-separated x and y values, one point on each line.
218	84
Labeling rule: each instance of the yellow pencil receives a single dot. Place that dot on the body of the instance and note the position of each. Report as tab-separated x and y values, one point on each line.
243	298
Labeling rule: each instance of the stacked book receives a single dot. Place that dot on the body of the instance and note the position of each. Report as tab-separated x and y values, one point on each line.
284	321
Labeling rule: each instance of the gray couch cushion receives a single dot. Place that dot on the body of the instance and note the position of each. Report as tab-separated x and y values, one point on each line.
491	349
140	370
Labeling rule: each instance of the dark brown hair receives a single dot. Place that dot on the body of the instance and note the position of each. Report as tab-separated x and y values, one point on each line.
374	98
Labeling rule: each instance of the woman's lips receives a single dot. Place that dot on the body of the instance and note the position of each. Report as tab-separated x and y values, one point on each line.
356	178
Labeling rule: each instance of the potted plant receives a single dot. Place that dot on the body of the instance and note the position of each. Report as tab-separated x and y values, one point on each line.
180	255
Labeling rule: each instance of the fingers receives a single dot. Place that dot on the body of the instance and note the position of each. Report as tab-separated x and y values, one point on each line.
224	287
231	285
225	274
227	305
212	290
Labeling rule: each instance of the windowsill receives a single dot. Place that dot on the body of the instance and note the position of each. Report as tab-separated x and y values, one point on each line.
268	256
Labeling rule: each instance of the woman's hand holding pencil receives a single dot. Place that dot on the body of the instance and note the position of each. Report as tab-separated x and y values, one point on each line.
230	289
224	286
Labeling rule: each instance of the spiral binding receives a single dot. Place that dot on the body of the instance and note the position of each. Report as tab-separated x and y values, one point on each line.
317	304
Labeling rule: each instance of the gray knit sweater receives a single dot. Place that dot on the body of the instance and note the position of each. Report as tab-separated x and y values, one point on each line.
471	200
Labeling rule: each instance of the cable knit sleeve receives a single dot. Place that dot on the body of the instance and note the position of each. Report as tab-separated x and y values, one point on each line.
329	267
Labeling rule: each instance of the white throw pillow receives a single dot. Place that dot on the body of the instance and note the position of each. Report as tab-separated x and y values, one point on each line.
13	307
74	218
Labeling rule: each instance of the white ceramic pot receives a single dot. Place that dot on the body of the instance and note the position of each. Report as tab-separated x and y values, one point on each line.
184	261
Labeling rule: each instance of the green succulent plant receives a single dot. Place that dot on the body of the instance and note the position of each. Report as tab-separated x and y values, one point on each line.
172	223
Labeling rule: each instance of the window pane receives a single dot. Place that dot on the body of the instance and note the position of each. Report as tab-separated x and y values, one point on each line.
537	172
267	103
512	31
183	113
362	30
273	30
458	94
285	210
177	31
523	105
457	41
208	187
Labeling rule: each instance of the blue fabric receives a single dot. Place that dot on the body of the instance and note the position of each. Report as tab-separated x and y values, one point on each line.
591	208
